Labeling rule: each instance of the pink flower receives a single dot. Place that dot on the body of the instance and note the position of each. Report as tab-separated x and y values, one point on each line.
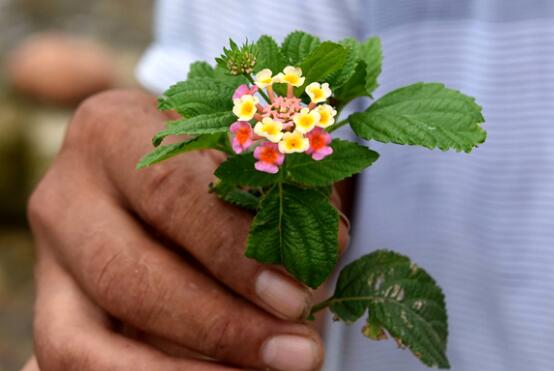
269	158
243	134
243	90
319	144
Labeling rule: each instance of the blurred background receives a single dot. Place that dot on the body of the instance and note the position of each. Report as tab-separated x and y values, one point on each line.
53	54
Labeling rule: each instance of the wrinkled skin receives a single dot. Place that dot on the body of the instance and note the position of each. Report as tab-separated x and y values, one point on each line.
144	270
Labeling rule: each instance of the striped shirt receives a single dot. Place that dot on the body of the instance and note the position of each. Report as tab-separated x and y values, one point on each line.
482	224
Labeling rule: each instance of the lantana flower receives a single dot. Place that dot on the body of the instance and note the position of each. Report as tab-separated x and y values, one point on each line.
326	115
264	78
294	142
244	90
281	125
306	120
242	139
245	107
291	75
319	144
318	92
269	158
269	129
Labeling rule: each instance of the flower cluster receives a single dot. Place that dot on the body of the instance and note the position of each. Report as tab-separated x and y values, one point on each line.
281	124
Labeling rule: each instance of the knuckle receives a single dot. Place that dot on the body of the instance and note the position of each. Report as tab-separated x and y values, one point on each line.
42	204
127	288
216	335
95	117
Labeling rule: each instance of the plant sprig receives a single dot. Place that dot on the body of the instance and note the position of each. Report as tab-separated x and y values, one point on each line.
286	180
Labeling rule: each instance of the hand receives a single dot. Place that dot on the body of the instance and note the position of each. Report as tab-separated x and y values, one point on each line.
154	250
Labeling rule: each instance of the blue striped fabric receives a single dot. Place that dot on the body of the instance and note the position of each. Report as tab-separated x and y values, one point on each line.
481	224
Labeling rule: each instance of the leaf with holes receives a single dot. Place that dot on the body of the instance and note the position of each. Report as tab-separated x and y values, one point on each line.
298	229
400	298
424	114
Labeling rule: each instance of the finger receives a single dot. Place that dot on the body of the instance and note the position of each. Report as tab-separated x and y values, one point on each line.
142	283
71	333
174	194
31	365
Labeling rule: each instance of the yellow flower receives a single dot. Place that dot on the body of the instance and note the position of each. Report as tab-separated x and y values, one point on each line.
327	115
264	78
292	75
270	129
318	92
245	107
306	120
293	142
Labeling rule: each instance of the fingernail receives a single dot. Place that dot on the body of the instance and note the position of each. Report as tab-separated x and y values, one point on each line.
281	294
290	353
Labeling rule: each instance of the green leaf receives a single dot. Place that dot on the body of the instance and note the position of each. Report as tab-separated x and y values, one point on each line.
236	196
298	229
240	170
221	74
424	114
200	69
370	52
197	96
297	45
340	77
348	158
269	55
327	58
165	152
354	87
212	123
400	298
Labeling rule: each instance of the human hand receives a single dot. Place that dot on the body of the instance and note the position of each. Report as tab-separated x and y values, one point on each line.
154	250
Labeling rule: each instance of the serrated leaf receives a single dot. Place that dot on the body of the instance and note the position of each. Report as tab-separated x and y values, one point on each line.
348	158
424	114
200	69
327	58
269	55
354	87
236	196
240	170
233	81
197	96
340	77
370	52
162	153
298	229
297	45
212	123
401	298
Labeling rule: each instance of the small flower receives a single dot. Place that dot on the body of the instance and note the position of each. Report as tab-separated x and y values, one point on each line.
292	75
293	142
306	120
264	78
269	158
244	90
318	92
242	139
327	115
270	129
245	107
319	144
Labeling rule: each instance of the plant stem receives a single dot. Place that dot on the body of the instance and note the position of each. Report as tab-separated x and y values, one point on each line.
337	125
320	306
262	93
